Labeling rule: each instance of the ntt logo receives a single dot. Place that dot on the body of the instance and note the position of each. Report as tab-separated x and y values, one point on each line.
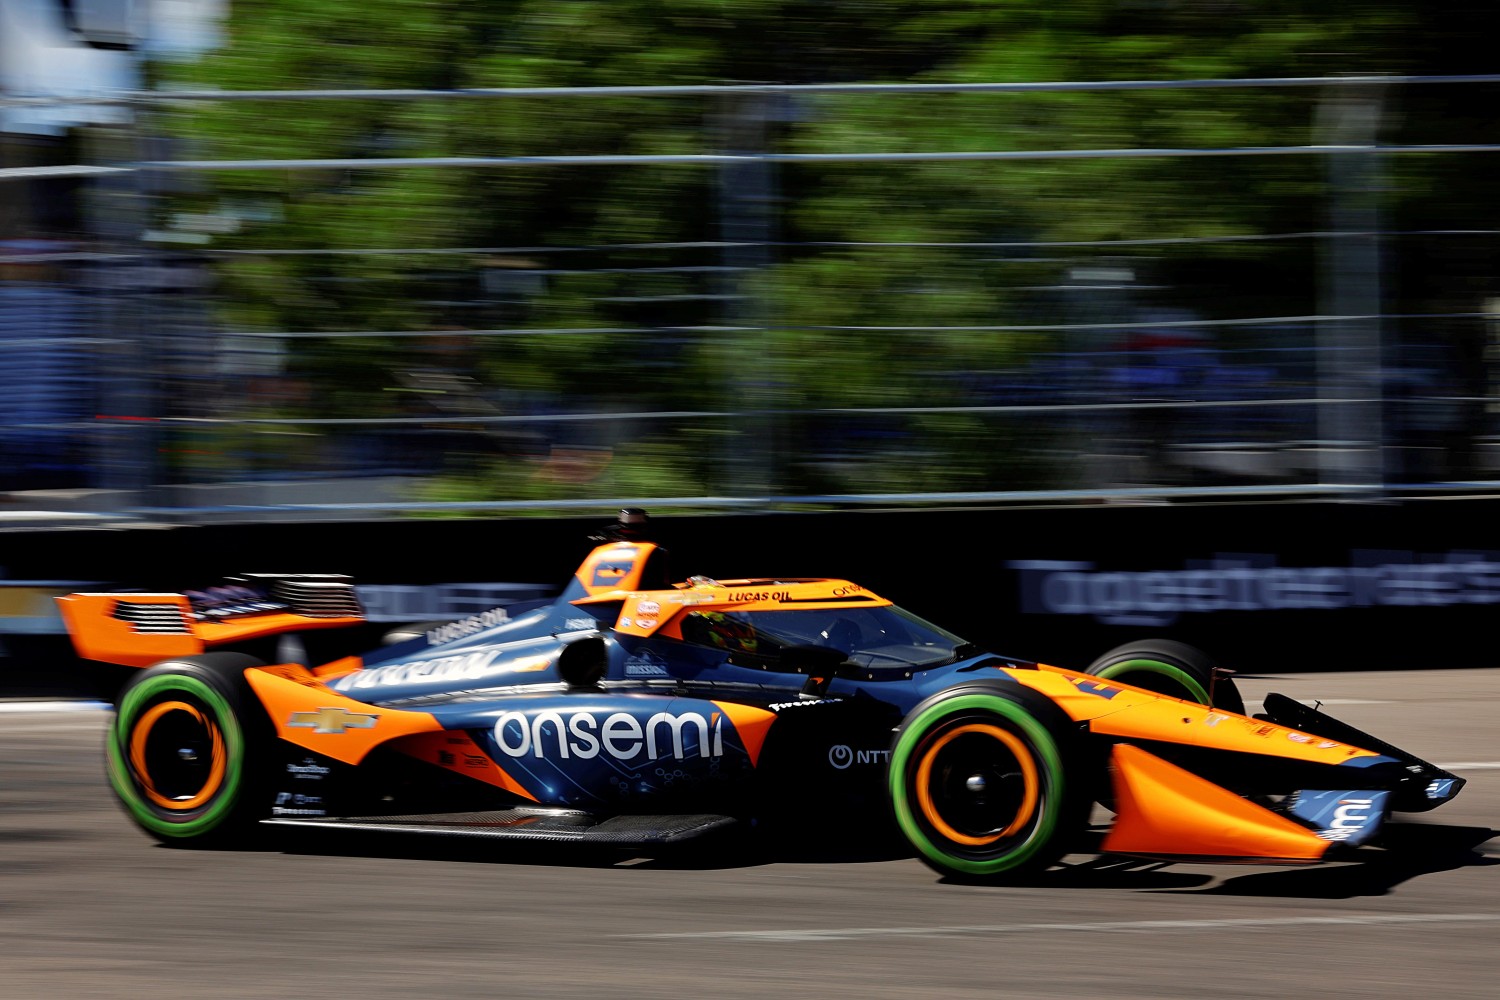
841	756
621	736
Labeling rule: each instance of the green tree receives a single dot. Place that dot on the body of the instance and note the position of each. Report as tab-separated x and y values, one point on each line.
855	245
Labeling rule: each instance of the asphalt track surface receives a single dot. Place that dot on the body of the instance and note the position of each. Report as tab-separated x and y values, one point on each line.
90	907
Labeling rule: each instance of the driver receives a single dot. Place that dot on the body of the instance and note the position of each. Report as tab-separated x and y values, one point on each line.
715	628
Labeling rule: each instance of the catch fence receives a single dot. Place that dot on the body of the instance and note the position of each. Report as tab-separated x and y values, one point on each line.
806	302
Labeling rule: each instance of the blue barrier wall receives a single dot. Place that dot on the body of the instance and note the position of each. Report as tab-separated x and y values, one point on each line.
1265	588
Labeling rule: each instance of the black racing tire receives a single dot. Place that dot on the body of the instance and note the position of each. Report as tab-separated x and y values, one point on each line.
1171	668
183	750
979	783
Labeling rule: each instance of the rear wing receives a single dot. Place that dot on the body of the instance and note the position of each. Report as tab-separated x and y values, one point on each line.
137	630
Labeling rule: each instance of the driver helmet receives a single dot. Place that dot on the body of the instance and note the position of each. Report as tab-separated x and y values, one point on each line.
729	633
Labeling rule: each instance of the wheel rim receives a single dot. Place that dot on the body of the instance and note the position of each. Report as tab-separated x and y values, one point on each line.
972	779
176	755
955	826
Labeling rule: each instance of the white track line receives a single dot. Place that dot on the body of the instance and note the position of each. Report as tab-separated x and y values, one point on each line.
53	706
52	727
1124	926
1472	765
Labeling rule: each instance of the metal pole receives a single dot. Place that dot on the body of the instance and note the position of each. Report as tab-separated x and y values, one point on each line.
1350	368
125	404
745	194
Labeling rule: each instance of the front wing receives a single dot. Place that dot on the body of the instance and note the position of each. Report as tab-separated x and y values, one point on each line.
1191	782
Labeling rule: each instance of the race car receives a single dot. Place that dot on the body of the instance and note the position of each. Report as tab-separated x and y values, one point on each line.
632	711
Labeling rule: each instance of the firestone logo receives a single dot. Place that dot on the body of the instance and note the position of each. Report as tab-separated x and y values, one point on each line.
621	735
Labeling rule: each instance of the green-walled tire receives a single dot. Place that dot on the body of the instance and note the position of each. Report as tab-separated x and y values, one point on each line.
1171	668
182	748
978	785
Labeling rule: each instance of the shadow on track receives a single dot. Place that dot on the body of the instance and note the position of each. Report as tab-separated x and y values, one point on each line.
724	850
1411	850
1114	872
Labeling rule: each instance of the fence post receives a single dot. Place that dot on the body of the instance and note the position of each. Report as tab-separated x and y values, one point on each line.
126	446
1350	368
746	193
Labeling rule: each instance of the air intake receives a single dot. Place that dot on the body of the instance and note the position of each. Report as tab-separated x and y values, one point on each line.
318	597
153	619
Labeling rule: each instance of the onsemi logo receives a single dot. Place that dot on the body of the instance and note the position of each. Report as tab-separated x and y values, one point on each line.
621	735
331	719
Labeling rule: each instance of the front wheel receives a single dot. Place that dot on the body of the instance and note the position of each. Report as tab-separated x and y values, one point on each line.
1171	668
185	735
978	786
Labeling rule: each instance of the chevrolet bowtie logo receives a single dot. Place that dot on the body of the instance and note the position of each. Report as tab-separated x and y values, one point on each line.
331	720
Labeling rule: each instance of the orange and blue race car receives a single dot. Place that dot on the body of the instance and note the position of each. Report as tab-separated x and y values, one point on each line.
631	710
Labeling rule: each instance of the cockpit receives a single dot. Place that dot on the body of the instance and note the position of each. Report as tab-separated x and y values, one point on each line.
871	637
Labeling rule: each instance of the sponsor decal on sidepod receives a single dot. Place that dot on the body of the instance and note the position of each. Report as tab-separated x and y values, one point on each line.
469	665
332	720
467	626
621	736
842	756
645	663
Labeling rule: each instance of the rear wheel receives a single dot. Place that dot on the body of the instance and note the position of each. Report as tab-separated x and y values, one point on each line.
1170	668
185	736
978	786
